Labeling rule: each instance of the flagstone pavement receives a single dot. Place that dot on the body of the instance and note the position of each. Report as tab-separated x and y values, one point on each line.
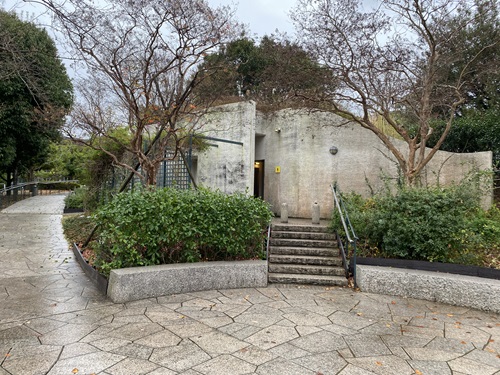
53	321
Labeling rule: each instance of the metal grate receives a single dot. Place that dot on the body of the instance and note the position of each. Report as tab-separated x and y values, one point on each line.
173	172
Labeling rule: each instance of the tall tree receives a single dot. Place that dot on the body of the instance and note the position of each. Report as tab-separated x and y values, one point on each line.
390	63
481	89
35	95
141	60
270	72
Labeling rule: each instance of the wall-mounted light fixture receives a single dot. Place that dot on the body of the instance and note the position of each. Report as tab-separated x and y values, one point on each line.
334	150
277	130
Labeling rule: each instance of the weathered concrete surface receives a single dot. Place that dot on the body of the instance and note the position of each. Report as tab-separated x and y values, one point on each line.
468	291
228	166
53	321
363	163
299	142
130	284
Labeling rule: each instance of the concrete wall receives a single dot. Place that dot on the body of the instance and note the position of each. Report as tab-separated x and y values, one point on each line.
298	143
229	167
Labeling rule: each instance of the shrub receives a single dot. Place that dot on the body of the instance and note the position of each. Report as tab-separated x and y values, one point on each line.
76	198
171	226
433	224
482	238
423	223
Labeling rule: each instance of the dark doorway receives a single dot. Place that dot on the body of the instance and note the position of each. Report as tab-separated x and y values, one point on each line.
258	182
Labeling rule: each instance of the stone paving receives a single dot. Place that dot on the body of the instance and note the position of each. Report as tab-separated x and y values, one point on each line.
53	321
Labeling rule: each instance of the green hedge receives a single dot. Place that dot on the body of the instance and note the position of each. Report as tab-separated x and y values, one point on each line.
64	185
172	226
432	224
76	198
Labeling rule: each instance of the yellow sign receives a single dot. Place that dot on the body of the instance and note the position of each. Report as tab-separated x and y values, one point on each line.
277	169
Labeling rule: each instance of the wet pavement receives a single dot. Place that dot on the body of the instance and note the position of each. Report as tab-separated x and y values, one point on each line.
53	321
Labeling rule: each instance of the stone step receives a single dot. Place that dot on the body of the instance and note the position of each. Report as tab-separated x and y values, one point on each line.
305	259
306	269
314	251
293	242
300	228
282	278
304	235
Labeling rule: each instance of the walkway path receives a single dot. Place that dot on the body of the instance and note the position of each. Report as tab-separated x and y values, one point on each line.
53	321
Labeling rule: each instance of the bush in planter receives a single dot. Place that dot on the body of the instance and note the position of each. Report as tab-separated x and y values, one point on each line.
432	224
76	198
172	226
423	223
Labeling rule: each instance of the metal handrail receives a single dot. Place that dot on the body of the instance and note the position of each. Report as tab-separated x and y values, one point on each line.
10	194
349	232
24	184
268	239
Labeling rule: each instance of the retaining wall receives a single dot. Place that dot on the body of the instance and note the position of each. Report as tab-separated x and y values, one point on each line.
467	291
129	284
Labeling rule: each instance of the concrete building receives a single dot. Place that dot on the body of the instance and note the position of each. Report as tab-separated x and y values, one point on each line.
293	156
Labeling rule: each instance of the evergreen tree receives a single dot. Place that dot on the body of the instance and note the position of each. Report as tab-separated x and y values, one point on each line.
35	95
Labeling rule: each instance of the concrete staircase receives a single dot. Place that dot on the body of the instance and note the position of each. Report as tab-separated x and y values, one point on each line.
304	254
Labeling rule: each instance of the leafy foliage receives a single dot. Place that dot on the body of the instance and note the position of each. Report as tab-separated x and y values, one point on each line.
76	198
172	226
35	94
475	130
271	72
433	224
65	160
476	31
93	168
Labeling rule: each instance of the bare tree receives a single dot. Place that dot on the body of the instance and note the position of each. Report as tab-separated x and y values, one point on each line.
390	63
141	59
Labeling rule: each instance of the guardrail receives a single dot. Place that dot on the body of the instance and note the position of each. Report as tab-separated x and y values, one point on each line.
350	235
15	193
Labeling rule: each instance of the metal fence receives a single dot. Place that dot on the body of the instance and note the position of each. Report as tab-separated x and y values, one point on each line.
15	193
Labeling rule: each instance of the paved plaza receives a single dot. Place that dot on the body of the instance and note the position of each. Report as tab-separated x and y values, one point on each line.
53	321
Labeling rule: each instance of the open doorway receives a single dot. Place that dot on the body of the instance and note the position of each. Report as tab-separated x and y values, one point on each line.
258	183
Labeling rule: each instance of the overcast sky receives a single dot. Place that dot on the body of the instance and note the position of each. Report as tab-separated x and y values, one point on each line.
262	17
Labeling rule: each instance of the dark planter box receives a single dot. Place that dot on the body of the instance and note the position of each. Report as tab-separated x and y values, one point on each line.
99	280
73	210
489	273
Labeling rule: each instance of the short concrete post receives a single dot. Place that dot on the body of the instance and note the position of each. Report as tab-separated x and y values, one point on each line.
315	213
284	213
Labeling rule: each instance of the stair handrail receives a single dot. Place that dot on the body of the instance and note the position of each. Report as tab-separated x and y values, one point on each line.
348	230
267	240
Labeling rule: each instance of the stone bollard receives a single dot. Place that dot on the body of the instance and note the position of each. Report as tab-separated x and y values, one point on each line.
284	213
315	213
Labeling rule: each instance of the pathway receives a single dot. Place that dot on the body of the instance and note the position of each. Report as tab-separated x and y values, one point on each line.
53	321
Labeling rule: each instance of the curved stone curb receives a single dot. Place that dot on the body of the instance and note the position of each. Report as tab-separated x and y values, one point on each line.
129	284
467	291
99	280
459	269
